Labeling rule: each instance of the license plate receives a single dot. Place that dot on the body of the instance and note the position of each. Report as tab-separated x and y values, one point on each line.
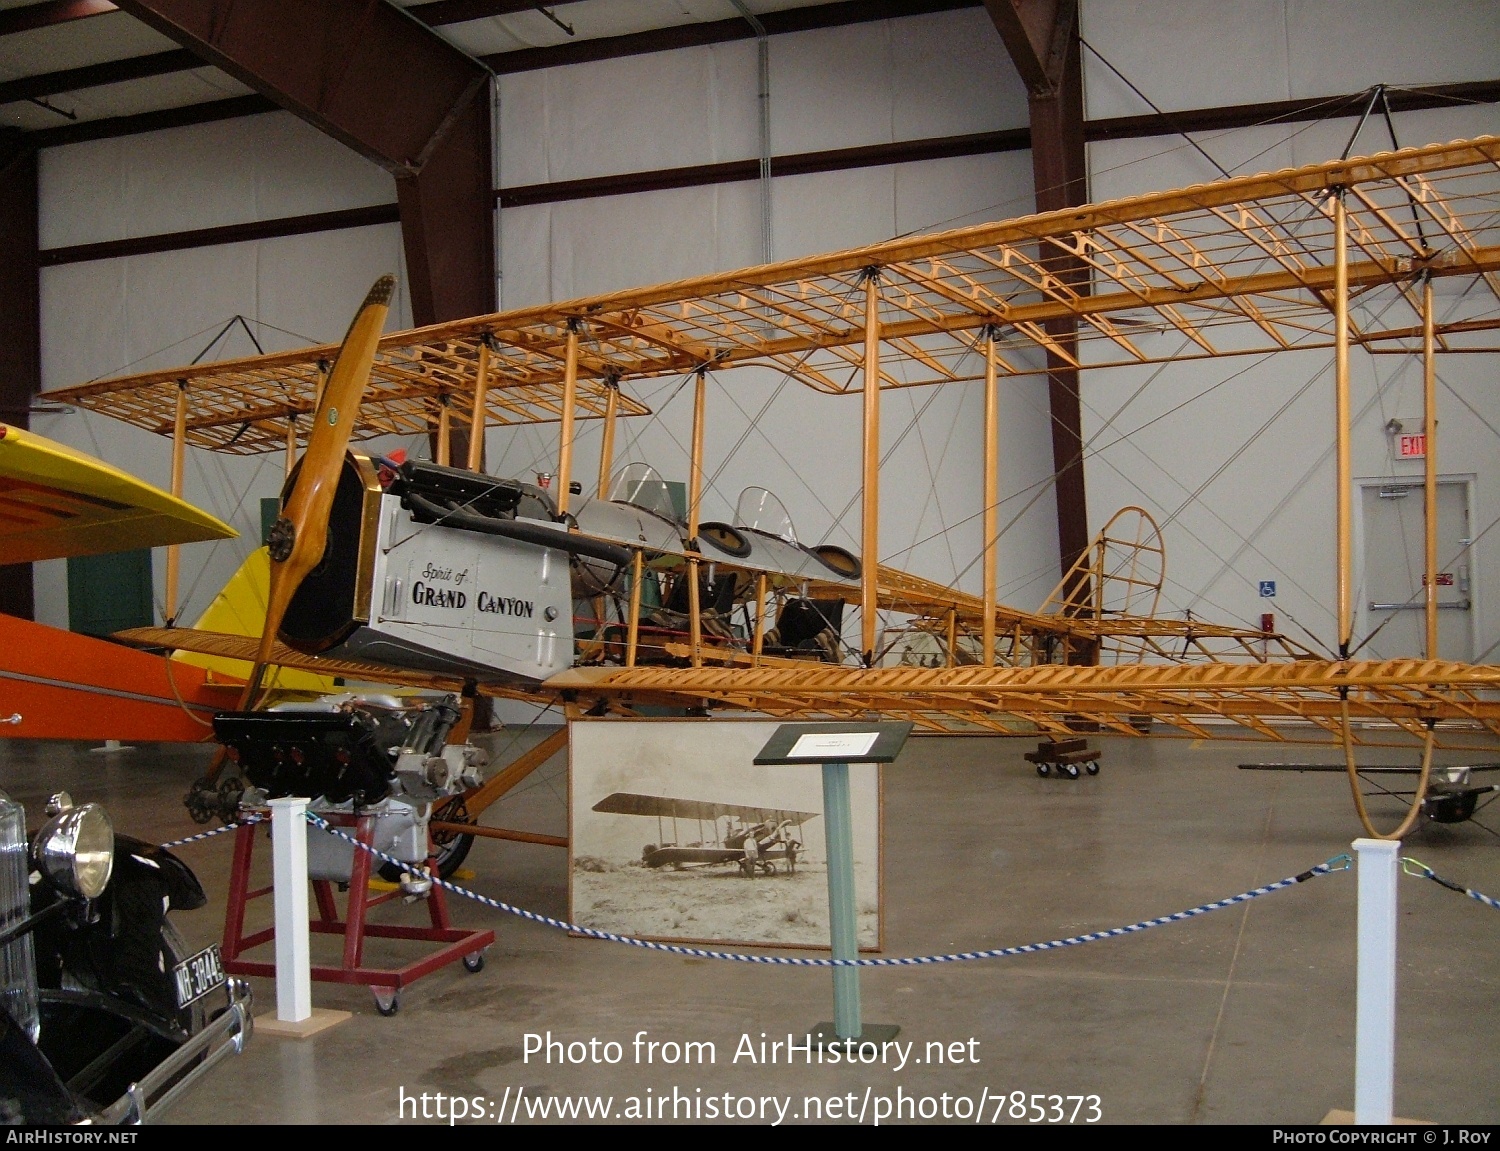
199	974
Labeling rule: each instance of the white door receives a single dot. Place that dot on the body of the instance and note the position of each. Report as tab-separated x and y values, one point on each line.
1395	565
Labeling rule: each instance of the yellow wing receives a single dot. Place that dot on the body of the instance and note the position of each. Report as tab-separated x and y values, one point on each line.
57	502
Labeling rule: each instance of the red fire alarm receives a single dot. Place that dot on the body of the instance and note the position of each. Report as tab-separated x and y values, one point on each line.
1268	622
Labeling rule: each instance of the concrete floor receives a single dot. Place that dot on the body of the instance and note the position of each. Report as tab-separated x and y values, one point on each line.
1243	1015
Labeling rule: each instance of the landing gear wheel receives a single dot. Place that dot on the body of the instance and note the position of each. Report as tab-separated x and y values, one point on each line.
474	964
1044	770
387	1000
767	867
1091	767
1070	770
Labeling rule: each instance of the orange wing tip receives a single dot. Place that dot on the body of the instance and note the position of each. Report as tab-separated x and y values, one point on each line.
381	291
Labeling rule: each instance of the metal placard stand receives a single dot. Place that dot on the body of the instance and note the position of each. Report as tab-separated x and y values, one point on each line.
835	746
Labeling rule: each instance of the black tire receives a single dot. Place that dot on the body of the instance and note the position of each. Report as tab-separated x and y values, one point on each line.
1092	768
1070	770
1043	770
474	964
392	1009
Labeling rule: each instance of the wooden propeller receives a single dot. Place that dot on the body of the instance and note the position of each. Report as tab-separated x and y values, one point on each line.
300	535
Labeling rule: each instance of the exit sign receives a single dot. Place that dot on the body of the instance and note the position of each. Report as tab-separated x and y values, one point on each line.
1411	446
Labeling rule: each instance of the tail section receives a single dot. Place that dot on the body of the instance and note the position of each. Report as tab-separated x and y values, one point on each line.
240	609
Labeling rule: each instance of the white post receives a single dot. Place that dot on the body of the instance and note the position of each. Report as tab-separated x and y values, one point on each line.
289	877
1375	1011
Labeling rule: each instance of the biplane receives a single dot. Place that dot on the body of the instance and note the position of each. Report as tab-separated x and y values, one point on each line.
447	577
751	838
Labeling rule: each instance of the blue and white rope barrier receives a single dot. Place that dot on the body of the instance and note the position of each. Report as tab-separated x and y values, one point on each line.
1337	863
202	835
1422	871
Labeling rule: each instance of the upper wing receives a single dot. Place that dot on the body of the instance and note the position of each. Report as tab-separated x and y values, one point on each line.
631	803
56	502
1251	254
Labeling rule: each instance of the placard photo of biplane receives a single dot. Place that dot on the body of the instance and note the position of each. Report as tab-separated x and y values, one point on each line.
677	835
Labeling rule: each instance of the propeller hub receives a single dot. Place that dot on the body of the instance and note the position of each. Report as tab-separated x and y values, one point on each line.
279	540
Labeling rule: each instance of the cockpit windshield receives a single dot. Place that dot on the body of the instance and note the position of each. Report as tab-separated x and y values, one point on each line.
761	511
639	486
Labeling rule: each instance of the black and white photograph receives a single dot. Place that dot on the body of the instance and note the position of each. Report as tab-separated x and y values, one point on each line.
678	835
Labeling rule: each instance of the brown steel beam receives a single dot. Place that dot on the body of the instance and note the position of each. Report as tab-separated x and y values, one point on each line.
380	82
799	164
447	224
838	159
93	75
20	323
113	127
1013	139
716	32
51	12
362	72
1036	34
439	12
227	234
1042	39
1228	116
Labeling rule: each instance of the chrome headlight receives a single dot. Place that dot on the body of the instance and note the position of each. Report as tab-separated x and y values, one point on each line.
75	851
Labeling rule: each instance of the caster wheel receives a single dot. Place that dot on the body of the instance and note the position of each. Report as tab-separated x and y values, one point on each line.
387	1001
474	963
1092	768
1070	770
1043	770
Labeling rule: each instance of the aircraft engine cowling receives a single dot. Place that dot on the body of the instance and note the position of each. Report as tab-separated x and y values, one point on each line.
411	584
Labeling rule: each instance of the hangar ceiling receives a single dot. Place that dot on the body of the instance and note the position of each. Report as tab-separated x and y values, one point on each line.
66	62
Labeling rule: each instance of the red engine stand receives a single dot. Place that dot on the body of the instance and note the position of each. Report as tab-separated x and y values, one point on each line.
385	982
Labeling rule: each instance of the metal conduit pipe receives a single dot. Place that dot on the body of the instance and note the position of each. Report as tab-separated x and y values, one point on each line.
763	61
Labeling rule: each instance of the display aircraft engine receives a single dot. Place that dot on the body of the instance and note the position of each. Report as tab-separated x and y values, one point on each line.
372	754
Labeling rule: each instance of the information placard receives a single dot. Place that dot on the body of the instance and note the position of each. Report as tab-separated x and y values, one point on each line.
830	746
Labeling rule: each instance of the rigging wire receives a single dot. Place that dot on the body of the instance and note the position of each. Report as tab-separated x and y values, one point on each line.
1092	450
1330	105
934	495
1194	497
1165	119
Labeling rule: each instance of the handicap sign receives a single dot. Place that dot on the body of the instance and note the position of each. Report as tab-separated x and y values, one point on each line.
1267	589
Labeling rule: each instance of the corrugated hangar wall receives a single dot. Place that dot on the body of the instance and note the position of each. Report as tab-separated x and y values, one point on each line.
1236	455
1266	514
